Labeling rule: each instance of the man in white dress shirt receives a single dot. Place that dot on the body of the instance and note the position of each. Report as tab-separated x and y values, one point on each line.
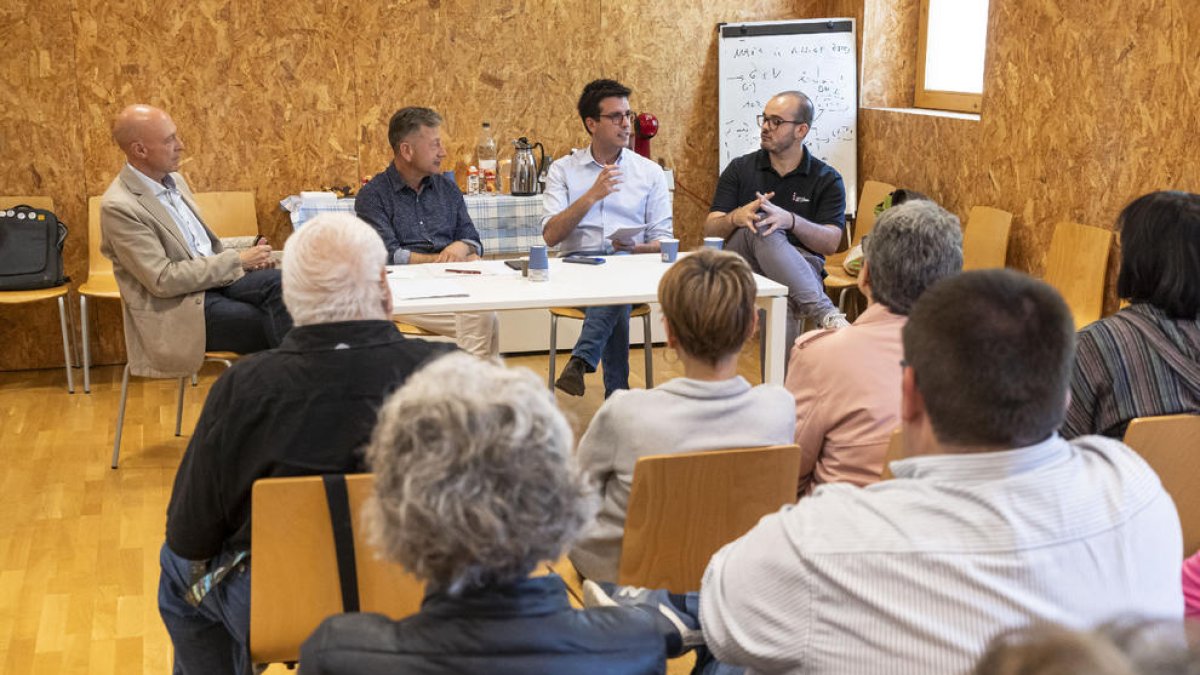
590	195
992	522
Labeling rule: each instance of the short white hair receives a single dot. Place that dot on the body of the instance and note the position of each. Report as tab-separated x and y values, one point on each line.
331	269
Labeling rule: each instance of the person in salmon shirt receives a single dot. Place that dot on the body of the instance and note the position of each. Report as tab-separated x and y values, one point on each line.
847	382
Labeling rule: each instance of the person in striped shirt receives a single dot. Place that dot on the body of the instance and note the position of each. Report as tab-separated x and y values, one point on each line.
1144	360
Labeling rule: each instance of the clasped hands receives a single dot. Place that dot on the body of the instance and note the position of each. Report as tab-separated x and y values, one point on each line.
763	216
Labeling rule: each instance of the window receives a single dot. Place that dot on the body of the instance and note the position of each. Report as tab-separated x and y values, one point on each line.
950	51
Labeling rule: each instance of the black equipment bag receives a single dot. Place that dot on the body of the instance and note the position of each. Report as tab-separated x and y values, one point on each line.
31	244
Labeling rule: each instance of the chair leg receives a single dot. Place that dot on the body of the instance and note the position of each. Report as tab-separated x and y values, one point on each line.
179	407
553	349
762	344
62	321
195	380
648	348
87	354
121	416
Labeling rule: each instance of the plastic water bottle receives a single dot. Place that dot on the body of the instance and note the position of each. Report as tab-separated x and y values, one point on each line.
473	180
485	159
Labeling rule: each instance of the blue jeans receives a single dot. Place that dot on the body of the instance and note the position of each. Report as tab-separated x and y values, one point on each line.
213	638
605	339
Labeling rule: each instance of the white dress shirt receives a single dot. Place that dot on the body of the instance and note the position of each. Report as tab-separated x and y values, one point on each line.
917	574
187	222
642	199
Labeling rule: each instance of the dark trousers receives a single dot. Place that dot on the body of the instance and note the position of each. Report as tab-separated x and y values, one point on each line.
246	316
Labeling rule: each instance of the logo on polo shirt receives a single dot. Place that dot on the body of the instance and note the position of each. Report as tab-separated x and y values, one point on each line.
799	200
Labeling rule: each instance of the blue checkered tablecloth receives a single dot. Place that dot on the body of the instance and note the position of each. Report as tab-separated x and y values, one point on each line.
506	224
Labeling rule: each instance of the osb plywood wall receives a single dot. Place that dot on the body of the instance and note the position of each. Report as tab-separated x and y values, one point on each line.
281	96
1086	106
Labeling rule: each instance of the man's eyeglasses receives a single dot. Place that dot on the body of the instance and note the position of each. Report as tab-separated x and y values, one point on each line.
775	122
618	117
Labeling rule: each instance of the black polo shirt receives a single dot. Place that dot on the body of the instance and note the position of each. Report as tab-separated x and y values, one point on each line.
813	190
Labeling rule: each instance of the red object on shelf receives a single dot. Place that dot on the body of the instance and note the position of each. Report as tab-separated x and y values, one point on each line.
645	127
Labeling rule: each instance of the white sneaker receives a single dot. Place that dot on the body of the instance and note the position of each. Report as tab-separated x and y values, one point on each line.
833	320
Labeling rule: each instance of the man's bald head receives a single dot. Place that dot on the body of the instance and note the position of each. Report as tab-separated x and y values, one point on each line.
131	123
148	138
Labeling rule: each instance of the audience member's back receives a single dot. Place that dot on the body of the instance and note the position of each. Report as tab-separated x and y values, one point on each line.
993	520
708	303
1145	360
846	382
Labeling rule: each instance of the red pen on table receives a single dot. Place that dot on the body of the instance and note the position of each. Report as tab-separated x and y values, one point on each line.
463	271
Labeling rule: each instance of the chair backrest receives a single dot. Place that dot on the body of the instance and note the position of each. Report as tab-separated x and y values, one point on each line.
294	575
1077	265
873	192
684	507
228	214
98	265
44	203
1170	445
895	451
985	238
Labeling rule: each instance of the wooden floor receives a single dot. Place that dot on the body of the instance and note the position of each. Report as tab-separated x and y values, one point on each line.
79	542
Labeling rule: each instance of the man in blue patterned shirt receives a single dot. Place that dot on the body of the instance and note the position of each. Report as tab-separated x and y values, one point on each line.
422	218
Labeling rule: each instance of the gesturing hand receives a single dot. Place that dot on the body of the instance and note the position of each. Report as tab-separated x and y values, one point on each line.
772	216
748	215
608	182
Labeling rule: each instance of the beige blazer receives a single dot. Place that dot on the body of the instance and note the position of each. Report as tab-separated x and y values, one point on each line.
162	284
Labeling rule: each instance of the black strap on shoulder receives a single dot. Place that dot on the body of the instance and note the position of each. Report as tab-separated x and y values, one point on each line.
338	499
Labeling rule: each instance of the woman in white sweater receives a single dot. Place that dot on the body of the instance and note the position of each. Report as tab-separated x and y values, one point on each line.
707	302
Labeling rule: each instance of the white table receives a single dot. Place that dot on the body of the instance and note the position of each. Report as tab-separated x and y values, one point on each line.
621	280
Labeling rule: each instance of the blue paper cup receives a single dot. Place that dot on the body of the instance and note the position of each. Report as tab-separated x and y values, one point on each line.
539	264
669	248
714	242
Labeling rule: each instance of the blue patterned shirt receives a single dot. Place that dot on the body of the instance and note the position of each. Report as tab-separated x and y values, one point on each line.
416	222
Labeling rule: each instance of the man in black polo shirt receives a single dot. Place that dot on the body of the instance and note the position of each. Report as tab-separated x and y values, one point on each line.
784	210
422	218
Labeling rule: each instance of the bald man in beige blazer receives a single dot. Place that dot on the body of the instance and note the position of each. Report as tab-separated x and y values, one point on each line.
182	291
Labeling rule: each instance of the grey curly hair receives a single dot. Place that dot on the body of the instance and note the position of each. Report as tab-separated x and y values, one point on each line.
475	482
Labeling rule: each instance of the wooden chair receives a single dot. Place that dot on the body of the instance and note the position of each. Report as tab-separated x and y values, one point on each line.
985	238
295	582
228	214
60	292
895	451
577	313
684	507
100	284
1076	265
873	192
1169	444
412	329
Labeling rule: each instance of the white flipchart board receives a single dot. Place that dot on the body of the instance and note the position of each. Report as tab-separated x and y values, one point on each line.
817	57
